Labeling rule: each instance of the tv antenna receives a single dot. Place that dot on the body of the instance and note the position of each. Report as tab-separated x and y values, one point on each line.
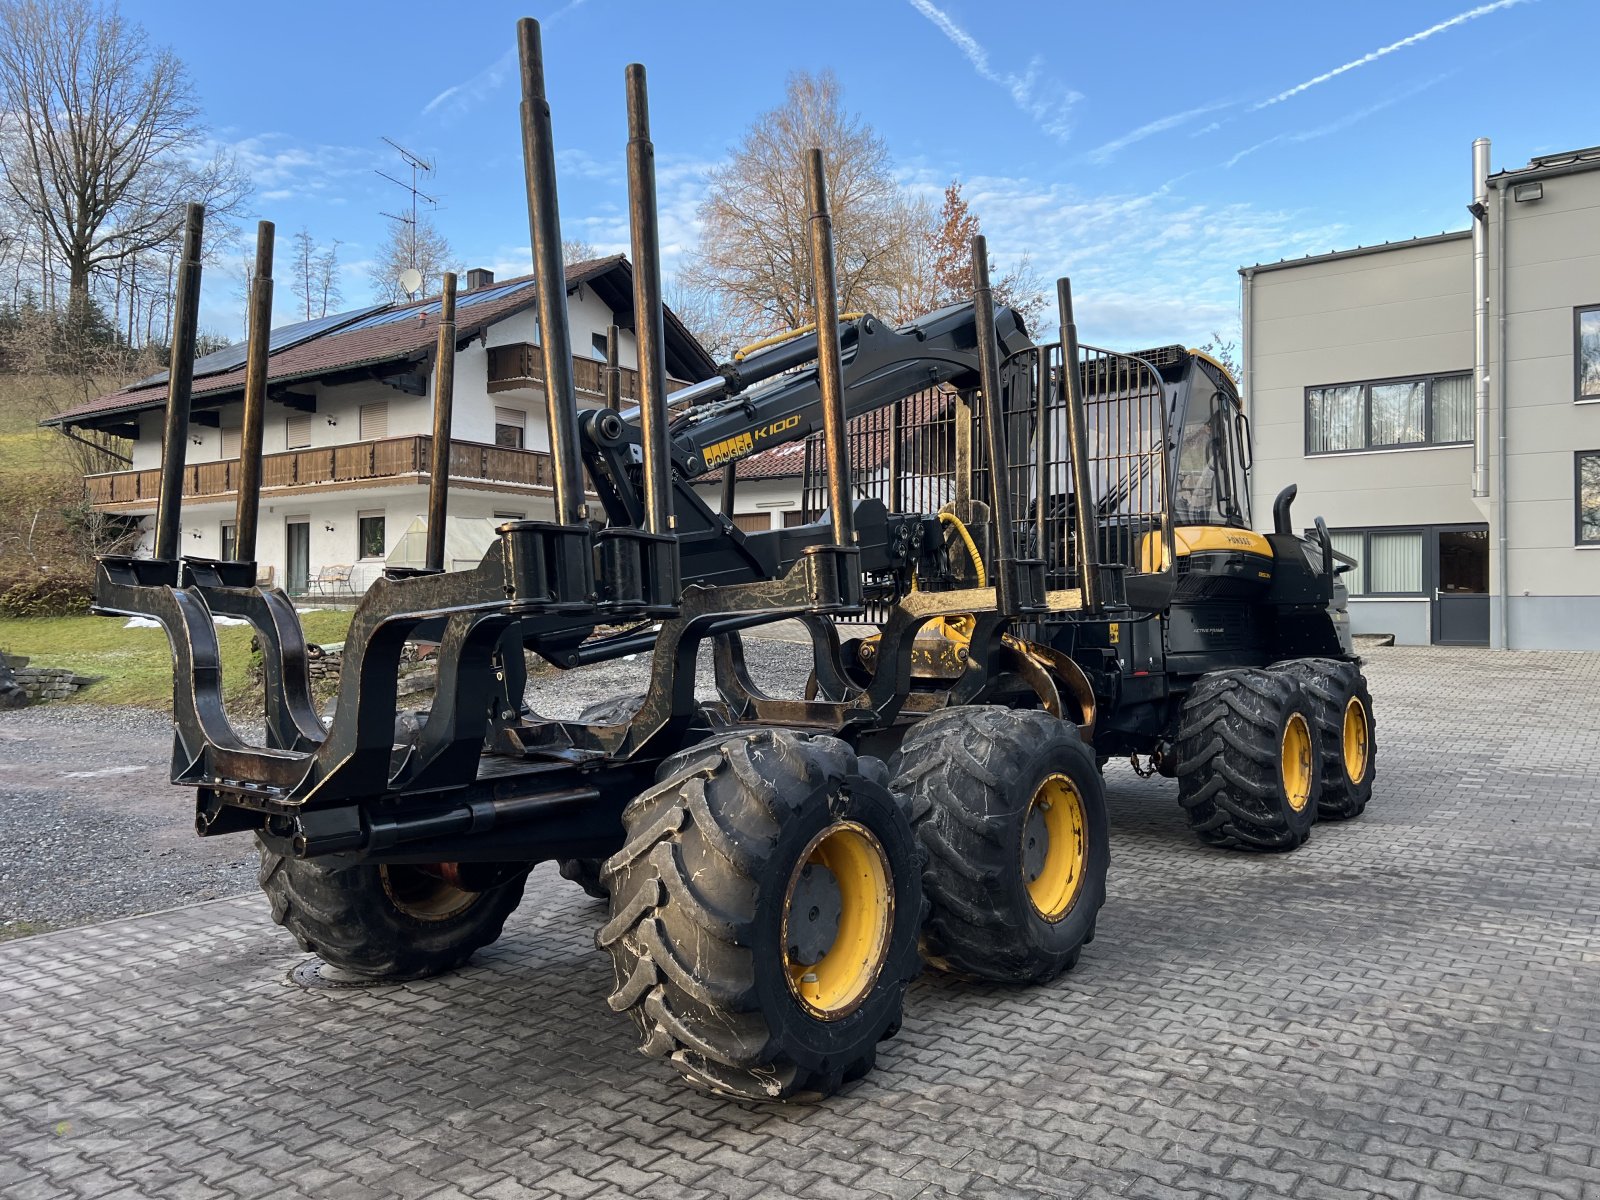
421	168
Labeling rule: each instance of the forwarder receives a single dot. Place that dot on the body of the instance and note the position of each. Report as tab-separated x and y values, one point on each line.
1085	585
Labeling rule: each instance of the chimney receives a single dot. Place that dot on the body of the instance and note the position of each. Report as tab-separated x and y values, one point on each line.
479	277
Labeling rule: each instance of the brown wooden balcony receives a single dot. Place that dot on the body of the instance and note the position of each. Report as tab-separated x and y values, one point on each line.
521	365
400	460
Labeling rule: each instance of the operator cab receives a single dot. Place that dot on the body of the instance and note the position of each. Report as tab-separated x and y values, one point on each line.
1217	552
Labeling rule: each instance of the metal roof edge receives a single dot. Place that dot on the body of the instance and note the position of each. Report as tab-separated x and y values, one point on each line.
1548	166
1449	235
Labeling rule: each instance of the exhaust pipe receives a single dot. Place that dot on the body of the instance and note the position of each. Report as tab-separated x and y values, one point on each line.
180	385
648	321
544	228
444	395
1480	317
247	510
830	365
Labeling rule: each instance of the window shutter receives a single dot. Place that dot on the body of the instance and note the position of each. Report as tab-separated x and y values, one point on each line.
514	417
297	431
374	421
230	442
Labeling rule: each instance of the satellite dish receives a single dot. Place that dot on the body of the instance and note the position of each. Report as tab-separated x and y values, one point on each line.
410	281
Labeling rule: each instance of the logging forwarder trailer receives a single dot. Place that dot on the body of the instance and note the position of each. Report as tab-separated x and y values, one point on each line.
776	869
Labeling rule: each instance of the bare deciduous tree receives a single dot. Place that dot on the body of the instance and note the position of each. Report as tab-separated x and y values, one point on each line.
703	317
313	275
420	246
104	140
574	250
754	254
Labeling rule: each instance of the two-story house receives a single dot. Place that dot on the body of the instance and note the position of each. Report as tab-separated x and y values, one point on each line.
348	429
1437	400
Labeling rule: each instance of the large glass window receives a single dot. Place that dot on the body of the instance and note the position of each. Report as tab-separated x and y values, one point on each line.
1588	497
1588	353
1389	561
1207	488
1428	410
1394	564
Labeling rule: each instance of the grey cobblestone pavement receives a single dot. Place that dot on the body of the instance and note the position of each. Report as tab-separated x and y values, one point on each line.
1408	1007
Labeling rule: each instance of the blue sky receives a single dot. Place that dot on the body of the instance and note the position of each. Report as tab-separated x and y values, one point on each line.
1147	150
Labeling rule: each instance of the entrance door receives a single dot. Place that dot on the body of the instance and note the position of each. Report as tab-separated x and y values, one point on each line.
298	541
1461	585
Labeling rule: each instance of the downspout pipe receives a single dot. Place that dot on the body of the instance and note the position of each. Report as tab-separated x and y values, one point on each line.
1246	369
1502	473
1480	317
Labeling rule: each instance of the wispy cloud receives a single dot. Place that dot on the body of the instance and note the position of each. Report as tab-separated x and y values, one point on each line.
1105	153
281	167
1045	99
460	97
1344	122
1147	267
1471	14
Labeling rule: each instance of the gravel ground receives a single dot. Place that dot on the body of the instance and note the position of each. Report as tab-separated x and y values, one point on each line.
91	829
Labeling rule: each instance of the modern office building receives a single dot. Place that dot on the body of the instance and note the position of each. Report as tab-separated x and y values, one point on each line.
1437	401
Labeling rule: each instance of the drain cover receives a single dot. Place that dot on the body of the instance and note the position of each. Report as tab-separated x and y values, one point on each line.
314	974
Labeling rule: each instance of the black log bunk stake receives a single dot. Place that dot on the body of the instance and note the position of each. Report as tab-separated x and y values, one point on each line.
180	384
444	393
247	511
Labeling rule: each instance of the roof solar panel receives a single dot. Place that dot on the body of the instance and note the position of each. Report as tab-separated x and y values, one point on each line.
281	338
411	311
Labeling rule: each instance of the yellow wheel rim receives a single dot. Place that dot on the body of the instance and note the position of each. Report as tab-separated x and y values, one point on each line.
1355	740
837	914
1055	847
425	896
1295	761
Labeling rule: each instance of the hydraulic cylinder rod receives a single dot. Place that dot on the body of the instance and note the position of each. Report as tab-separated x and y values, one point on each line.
1086	522
180	385
613	372
247	511
994	431
444	395
648	321
830	365
544	228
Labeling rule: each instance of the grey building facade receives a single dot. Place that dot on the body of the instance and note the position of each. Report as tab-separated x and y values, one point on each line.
1437	401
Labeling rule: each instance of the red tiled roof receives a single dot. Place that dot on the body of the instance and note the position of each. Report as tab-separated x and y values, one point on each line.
361	345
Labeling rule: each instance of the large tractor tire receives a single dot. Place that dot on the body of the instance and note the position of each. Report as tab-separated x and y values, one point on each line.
1011	809
764	913
1248	753
1343	708
386	922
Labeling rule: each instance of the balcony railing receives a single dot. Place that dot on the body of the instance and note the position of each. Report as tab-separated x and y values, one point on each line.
522	365
401	459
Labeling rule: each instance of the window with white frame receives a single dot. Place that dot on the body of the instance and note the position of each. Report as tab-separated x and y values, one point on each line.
297	431
1380	414
1586	334
370	540
374	421
1587	488
510	427
230	541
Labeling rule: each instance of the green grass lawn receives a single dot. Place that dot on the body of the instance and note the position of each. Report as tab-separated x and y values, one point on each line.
134	666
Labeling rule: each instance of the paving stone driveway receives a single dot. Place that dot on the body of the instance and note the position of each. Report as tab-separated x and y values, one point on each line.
1407	1007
